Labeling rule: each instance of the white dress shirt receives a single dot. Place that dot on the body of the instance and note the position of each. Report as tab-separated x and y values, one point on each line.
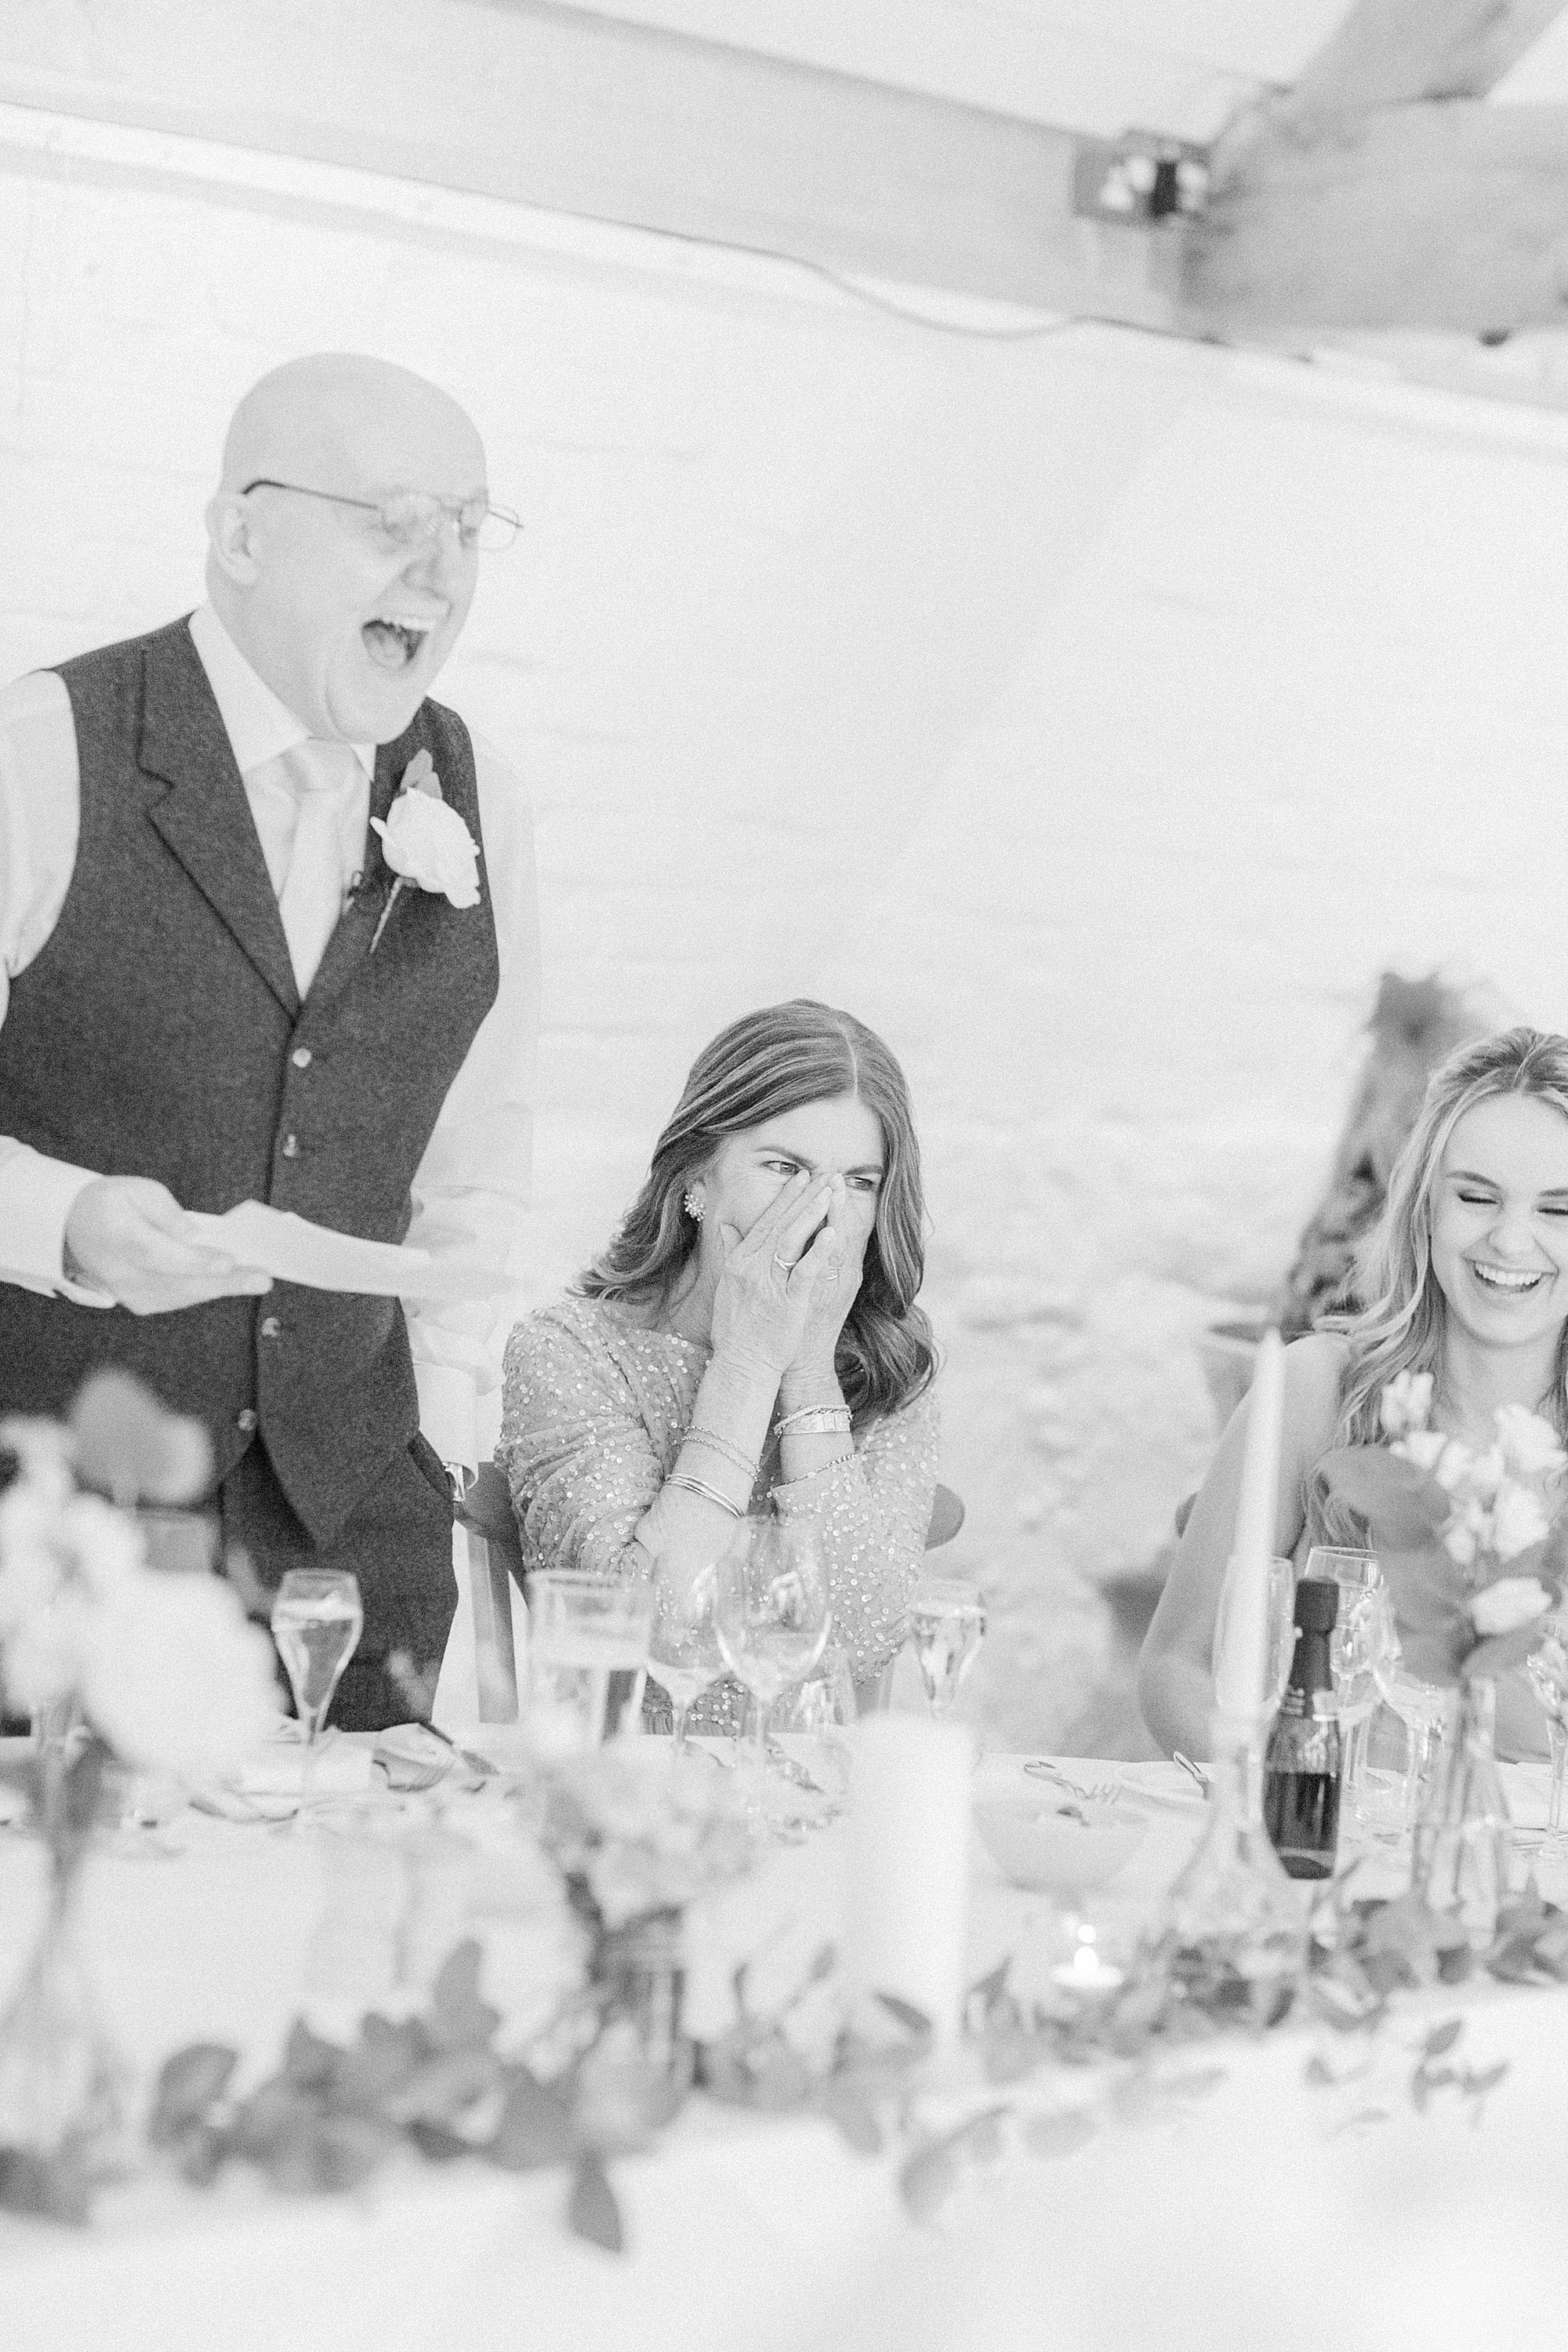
470	1190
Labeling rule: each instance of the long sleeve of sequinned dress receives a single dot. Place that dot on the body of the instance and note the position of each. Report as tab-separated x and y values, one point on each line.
595	1408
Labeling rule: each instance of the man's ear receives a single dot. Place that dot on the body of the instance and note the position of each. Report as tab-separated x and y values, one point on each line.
231	533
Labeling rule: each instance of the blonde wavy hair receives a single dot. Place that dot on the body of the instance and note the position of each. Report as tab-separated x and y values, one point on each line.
1401	1327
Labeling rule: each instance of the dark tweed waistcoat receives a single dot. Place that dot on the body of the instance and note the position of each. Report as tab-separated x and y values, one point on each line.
159	1033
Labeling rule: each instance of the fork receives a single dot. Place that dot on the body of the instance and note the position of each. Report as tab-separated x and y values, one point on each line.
1103	1792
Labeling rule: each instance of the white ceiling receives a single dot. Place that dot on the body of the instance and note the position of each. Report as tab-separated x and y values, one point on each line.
1101	65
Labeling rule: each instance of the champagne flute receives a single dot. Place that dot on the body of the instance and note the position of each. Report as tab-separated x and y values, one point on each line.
1360	1635
316	1619
947	1625
1547	1666
683	1653
772	1615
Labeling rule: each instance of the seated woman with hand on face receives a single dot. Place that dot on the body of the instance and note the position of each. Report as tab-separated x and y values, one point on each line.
751	1330
1467	1273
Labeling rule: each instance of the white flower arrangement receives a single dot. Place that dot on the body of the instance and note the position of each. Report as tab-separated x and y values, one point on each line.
1499	1499
162	1666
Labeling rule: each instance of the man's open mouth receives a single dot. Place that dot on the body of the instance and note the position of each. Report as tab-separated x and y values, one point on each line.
392	644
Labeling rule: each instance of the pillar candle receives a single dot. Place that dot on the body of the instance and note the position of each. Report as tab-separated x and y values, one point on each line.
907	1898
1242	1676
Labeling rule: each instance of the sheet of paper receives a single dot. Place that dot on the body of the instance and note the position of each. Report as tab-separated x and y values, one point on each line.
291	1249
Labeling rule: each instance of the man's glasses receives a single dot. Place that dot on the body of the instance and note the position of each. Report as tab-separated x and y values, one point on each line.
413	518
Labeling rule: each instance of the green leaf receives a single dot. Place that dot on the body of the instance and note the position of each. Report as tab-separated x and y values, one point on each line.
847	2107
316	2154
459	2019
913	2021
1475	2084
535	2129
593	2211
781	2082
188	2083
928	2179
1363	2117
1058	2133
1405	1507
307	2061
385	2057
270	2115
444	2088
1442	2038
48	2188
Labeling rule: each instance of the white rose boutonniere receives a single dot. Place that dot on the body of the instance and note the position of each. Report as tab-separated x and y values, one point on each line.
427	842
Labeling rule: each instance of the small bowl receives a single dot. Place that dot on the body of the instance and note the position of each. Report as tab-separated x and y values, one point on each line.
1053	1851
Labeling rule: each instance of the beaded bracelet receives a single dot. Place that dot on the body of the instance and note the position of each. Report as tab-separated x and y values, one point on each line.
817	1420
717	1445
701	1486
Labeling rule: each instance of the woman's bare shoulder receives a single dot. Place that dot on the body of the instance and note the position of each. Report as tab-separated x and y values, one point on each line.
1314	1376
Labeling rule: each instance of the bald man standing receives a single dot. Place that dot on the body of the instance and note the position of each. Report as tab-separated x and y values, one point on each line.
192	1013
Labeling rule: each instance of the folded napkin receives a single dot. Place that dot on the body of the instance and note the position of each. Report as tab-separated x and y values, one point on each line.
342	1768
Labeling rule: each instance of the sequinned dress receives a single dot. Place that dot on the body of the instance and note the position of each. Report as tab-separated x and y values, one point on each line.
595	1412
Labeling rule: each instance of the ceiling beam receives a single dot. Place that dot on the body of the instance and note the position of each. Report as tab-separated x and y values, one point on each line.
578	114
1400	52
1451	217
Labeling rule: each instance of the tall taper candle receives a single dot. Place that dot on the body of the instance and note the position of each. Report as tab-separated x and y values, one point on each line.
1242	1679
908	1891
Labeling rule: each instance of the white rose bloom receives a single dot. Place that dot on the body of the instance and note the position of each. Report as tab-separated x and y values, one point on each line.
1406	1403
427	842
1503	1607
1519	1520
1459	1543
1487	1472
1452	1468
1533	1447
175	1677
1425	1447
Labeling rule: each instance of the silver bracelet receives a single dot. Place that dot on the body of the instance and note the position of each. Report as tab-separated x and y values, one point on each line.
717	1445
817	1420
701	1486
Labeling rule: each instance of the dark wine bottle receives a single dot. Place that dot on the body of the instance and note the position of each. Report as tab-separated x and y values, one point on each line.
1302	1763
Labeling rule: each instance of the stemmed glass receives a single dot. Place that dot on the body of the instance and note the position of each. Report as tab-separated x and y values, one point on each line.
316	1619
1422	1706
1361	1635
1547	1666
772	1615
683	1653
947	1625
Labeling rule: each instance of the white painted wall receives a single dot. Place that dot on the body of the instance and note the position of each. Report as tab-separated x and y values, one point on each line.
1093	715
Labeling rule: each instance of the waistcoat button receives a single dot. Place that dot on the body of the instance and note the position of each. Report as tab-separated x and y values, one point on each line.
300	1058
270	1328
245	1419
291	1147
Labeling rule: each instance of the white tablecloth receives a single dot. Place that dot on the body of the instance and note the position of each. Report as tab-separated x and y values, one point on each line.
1259	2212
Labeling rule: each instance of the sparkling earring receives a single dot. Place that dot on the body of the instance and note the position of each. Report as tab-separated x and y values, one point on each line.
693	1206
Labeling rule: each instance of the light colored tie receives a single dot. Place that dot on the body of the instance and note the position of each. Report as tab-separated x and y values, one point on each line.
311	897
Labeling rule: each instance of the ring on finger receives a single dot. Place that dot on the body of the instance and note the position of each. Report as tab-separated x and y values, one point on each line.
788	1263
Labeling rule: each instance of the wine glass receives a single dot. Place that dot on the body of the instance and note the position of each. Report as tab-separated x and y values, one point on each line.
947	1625
1422	1706
771	1614
587	1657
683	1653
316	1619
1547	1666
1360	1636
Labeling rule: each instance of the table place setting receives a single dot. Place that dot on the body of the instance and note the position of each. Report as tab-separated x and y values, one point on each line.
574	1957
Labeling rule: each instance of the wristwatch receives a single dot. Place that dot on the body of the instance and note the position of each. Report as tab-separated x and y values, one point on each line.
462	1480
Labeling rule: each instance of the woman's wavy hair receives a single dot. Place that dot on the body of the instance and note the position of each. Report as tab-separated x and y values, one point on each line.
761	1066
1401	1328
